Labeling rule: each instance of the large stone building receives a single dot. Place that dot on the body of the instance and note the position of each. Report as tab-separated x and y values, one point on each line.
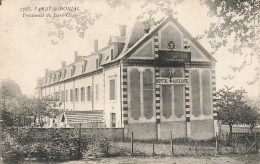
151	82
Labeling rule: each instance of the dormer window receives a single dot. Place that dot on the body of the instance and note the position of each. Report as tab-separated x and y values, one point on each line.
73	70
112	54
85	65
54	78
64	73
59	75
97	64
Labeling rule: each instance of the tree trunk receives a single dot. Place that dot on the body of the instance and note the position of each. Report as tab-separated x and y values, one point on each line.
23	121
230	128
34	121
230	135
251	129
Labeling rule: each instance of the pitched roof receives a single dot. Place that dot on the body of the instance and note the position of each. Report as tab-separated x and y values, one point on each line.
132	42
138	37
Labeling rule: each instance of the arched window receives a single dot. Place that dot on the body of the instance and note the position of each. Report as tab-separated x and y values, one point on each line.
148	98
135	106
206	93
167	101
177	73
166	72
179	100
195	92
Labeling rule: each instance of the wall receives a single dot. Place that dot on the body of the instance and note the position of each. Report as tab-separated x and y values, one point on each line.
141	102
37	133
112	106
68	86
201	103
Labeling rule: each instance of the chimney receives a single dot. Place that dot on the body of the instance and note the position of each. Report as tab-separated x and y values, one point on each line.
76	56
63	64
122	29
95	45
46	72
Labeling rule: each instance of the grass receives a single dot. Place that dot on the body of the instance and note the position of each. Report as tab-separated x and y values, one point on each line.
163	149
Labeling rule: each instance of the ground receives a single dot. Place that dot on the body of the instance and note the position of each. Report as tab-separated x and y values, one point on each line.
240	159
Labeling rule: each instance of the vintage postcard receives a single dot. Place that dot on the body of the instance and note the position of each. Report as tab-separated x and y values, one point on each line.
121	81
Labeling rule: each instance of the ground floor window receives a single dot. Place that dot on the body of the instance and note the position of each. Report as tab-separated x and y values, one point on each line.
141	91
113	119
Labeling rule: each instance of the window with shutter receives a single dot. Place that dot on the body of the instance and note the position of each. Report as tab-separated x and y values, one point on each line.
71	95
62	96
112	88
66	95
82	90
96	92
76	95
89	93
113	119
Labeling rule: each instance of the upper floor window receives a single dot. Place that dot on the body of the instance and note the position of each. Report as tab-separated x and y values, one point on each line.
71	95
82	91
76	94
89	93
66	94
112	89
62	96
96	92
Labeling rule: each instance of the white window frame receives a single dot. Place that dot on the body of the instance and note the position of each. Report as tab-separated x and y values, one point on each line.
114	77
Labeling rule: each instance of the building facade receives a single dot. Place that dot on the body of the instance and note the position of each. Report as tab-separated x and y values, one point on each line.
151	83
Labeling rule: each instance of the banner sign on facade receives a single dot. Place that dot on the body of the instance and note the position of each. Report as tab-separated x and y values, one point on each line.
179	56
174	81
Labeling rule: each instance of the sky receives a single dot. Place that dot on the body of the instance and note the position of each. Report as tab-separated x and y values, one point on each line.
26	49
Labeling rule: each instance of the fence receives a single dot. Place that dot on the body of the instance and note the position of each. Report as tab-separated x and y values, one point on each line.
236	143
110	140
238	129
241	141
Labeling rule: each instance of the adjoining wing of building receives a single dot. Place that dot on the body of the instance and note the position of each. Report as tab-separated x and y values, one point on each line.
150	83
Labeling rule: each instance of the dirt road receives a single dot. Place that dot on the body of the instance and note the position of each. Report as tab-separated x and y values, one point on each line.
175	160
